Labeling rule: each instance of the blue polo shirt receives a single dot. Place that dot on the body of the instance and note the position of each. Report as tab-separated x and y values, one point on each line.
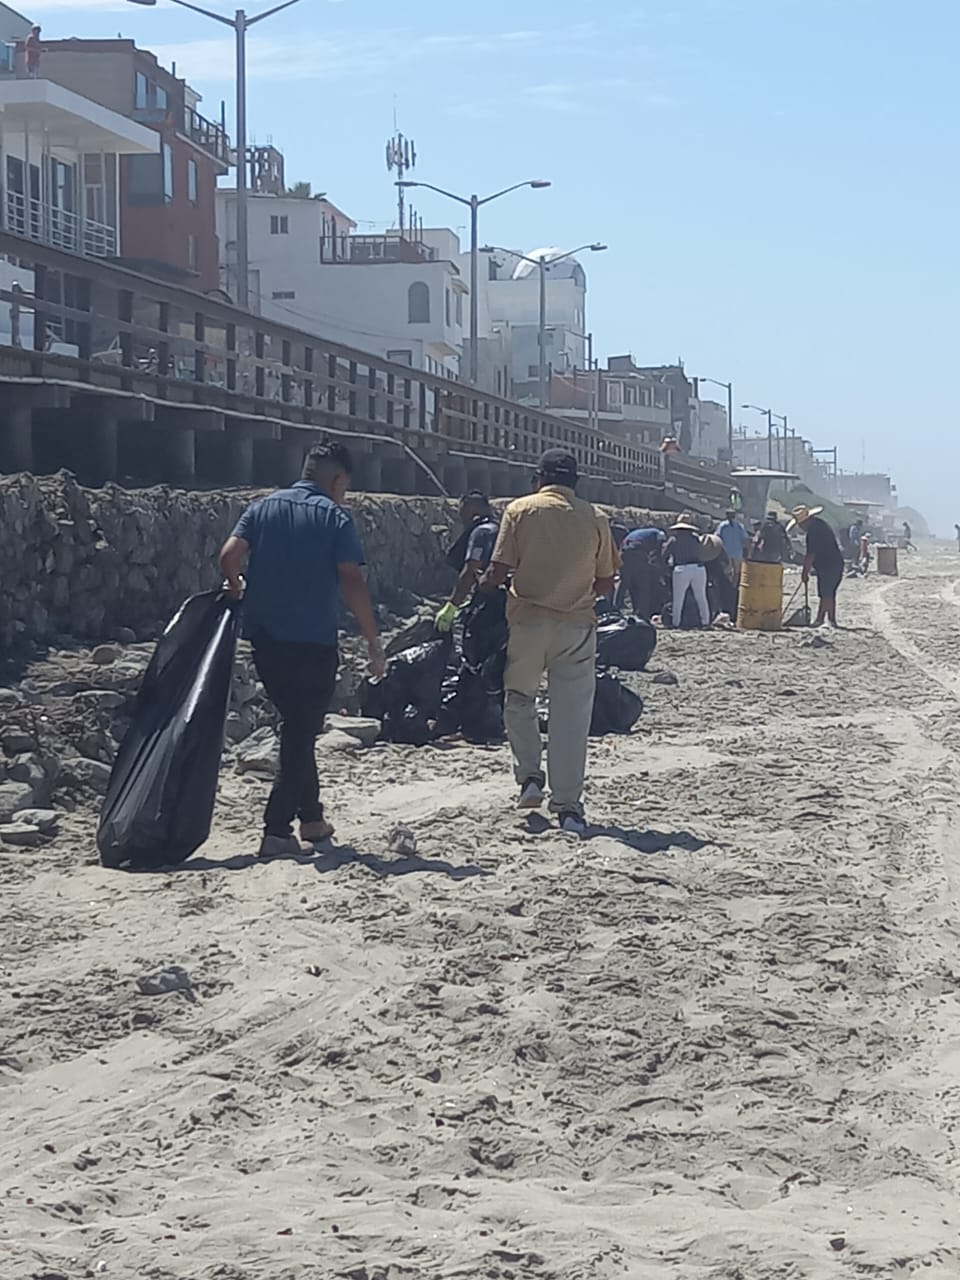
645	538
298	539
734	538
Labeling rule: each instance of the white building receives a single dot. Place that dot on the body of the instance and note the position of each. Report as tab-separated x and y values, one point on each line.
60	163
710	431
400	298
509	304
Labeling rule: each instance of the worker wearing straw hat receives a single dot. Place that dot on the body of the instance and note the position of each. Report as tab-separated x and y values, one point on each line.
823	557
683	552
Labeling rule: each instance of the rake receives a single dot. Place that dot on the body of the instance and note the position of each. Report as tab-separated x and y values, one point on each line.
800	617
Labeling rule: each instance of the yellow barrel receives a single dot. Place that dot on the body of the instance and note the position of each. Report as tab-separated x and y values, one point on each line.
761	596
887	561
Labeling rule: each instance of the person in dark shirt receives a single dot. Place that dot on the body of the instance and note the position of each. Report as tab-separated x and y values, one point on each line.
303	551
641	570
682	551
771	544
824	558
470	554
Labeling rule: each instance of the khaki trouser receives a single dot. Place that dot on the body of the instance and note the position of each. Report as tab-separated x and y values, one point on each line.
567	653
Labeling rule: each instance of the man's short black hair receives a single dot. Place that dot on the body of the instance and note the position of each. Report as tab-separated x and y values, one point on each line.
475	497
327	455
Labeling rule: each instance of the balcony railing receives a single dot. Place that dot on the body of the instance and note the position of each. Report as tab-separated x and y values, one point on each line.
208	135
58	227
110	327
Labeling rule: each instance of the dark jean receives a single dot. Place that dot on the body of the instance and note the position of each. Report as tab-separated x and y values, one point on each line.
638	580
300	680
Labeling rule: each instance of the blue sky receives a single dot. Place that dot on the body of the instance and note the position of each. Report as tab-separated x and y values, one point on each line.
776	179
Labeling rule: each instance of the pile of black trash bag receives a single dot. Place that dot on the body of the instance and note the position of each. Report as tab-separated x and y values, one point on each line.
434	689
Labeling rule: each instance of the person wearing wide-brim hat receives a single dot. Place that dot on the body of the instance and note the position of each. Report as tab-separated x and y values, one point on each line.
823	557
683	553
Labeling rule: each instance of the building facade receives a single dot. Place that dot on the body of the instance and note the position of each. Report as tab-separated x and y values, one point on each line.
167	199
509	306
400	297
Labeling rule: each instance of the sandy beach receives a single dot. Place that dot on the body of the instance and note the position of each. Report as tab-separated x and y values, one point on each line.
719	1040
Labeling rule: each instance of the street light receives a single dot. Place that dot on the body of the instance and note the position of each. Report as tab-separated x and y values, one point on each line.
593	418
240	24
473	203
769	415
782	460
543	264
729	390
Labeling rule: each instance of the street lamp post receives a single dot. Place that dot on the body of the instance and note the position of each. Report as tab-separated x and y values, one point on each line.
473	203
769	415
782	460
543	264
593	412
729	390
240	24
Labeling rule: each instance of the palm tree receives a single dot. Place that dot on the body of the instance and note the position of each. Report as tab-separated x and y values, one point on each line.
300	191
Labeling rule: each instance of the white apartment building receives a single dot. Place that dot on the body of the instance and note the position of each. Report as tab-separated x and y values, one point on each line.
509	304
710	432
402	299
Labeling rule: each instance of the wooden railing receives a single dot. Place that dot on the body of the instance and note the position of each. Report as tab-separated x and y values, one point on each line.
112	327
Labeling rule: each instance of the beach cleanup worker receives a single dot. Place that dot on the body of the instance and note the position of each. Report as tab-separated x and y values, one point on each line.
302	552
560	553
720	581
735	541
683	553
823	558
470	554
771	544
640	571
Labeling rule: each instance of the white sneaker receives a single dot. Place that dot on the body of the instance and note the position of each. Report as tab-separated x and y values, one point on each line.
531	795
573	824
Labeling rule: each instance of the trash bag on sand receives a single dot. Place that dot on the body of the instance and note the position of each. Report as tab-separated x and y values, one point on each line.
626	643
159	803
407	700
616	709
485	627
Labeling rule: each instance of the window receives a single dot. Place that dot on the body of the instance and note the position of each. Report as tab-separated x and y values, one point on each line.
141	92
160	97
446	302
418	303
459	308
401	357
279	224
284	295
533	371
144	181
192	254
193	182
167	173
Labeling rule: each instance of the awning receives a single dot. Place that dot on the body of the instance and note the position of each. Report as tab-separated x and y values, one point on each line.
70	121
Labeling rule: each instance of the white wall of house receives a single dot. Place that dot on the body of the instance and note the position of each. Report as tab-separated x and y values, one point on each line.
710	428
411	312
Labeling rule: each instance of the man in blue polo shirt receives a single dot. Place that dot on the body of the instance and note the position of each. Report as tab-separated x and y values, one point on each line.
303	551
735	541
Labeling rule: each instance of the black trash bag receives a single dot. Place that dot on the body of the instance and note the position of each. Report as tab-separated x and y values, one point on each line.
410	726
410	689
485	627
626	643
448	721
159	803
616	709
479	707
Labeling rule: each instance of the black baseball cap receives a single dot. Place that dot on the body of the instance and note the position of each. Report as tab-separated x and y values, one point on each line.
558	465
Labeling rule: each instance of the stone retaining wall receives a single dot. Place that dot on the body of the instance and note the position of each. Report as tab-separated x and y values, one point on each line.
86	564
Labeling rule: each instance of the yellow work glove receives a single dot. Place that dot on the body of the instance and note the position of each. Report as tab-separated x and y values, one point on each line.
446	617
